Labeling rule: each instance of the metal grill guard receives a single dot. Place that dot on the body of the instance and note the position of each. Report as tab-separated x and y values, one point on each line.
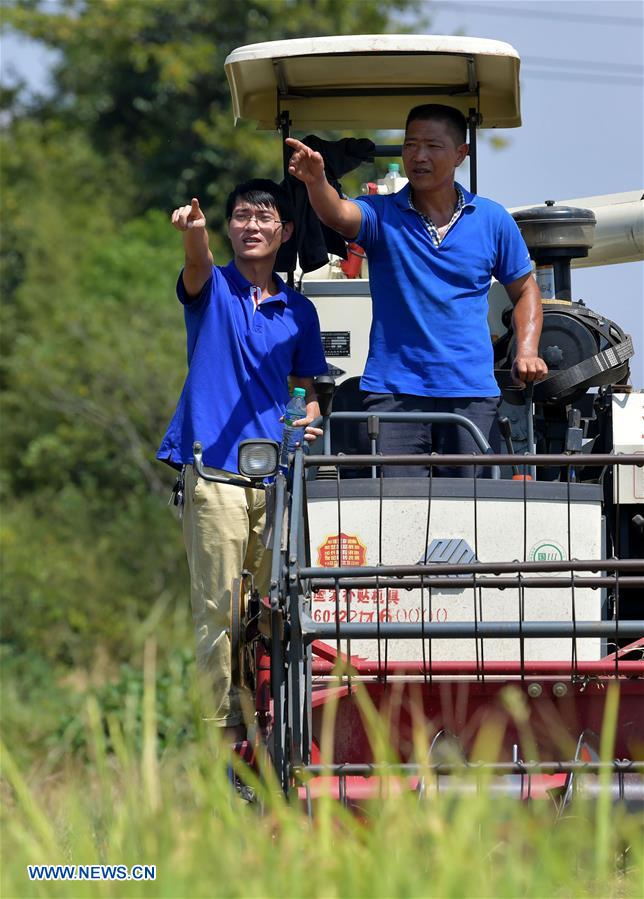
565	698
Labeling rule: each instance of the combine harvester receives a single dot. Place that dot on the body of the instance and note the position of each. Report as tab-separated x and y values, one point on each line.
434	596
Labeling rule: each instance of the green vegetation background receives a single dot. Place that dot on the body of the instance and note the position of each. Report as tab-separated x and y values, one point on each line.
138	121
105	758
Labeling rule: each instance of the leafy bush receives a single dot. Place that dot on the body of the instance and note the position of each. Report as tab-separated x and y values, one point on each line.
44	707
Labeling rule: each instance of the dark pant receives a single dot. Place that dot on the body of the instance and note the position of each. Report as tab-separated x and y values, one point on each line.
403	438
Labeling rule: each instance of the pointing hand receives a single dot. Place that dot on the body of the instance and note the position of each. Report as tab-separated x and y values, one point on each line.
305	163
186	218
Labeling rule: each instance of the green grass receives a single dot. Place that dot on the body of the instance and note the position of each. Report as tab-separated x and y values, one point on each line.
131	798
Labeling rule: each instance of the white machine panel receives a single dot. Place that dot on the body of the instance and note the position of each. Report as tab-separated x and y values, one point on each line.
499	537
344	309
628	437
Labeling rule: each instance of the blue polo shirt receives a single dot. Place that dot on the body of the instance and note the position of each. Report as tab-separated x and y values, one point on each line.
239	359
429	334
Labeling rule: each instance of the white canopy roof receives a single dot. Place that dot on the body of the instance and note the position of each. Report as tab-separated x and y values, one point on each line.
372	81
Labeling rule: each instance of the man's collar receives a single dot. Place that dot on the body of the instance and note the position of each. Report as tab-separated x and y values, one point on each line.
403	196
244	284
469	198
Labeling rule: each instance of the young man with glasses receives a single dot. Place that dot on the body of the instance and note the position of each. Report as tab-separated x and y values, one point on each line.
248	334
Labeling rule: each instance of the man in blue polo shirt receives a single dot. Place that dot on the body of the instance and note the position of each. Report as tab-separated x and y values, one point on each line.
248	334
433	248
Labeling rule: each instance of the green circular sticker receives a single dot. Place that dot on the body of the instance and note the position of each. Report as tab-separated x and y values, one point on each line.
547	551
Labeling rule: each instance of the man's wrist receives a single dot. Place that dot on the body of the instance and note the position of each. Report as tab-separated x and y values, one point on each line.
319	187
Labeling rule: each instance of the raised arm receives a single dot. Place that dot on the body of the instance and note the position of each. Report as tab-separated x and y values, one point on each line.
191	221
308	165
527	319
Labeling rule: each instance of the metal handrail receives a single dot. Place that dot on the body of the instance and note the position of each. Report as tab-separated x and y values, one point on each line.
457	630
439	568
598	460
420	417
371	769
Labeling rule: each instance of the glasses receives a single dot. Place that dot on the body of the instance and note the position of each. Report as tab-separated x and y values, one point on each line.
263	219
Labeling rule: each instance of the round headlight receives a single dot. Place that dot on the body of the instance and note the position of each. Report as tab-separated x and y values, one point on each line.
258	458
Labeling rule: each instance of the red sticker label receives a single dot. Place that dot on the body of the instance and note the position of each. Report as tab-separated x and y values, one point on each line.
342	549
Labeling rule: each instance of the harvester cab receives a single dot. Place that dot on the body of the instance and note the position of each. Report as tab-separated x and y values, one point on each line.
426	599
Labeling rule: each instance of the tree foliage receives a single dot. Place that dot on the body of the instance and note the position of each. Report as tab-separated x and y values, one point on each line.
138	120
146	79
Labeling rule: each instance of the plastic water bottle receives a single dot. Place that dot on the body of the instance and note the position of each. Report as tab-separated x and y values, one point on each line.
392	182
295	410
392	176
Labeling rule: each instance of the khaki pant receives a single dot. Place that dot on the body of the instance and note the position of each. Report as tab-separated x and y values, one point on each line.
222	528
